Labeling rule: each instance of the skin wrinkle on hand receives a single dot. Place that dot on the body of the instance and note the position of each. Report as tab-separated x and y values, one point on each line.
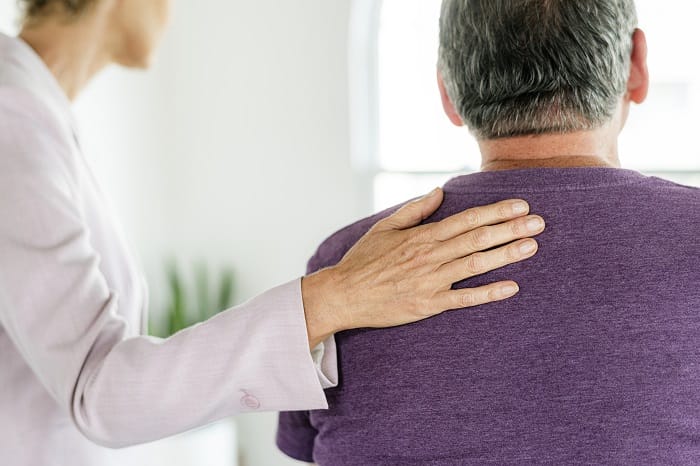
410	280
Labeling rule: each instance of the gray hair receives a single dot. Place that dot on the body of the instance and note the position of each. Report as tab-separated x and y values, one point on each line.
523	67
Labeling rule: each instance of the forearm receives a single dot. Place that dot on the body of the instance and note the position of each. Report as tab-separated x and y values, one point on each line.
247	359
123	390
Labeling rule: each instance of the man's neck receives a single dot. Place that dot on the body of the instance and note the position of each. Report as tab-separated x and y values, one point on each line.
597	148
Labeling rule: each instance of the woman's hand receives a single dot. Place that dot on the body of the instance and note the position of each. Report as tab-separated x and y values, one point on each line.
400	273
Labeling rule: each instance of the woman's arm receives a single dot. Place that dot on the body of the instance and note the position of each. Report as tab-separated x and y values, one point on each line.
60	312
68	321
65	319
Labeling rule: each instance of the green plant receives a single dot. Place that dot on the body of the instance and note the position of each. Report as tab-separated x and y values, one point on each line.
187	306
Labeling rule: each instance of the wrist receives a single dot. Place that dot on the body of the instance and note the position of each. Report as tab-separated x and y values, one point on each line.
319	294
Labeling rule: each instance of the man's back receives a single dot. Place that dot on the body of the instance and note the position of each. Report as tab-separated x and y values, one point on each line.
596	361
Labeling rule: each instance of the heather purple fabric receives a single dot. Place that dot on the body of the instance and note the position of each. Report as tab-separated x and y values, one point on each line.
596	361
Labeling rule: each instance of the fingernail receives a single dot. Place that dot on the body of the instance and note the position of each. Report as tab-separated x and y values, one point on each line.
509	290
534	224
520	208
528	248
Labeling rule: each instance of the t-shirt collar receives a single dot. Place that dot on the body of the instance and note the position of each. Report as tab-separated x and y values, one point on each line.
544	179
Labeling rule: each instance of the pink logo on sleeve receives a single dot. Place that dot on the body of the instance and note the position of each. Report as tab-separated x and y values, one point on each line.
249	401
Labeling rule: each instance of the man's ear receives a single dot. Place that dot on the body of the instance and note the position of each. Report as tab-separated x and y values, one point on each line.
447	104
638	83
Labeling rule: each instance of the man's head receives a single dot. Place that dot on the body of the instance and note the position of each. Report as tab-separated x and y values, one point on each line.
527	67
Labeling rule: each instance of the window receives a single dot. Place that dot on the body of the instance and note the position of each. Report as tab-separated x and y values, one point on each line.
413	146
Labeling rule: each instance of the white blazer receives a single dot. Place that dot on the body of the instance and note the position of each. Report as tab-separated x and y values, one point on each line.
75	370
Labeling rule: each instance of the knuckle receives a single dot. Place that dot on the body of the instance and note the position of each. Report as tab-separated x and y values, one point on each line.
467	300
419	234
504	210
493	295
421	254
475	263
512	253
472	218
517	228
424	233
481	239
424	309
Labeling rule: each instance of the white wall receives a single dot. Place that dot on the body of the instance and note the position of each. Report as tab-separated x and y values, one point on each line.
8	15
258	104
260	166
234	148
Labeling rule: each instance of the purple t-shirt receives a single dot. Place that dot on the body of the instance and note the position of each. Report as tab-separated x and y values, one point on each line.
596	361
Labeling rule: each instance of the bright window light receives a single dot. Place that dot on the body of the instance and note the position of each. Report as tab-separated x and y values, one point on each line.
418	148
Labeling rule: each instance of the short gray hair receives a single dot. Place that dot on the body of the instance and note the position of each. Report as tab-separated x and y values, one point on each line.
524	67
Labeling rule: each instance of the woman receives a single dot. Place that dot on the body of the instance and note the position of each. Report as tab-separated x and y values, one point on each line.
76	372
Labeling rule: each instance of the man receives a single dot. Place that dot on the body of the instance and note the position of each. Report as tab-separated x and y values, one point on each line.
596	361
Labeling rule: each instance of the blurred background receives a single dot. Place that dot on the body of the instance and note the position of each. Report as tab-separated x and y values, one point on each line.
266	125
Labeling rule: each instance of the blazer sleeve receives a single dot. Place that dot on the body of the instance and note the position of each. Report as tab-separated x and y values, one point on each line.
59	311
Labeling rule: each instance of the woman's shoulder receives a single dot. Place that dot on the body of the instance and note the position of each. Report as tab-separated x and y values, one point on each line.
30	132
22	110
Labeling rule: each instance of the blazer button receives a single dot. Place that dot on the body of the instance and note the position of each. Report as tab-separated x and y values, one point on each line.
249	401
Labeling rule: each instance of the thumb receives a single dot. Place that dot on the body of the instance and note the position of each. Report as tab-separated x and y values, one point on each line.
413	213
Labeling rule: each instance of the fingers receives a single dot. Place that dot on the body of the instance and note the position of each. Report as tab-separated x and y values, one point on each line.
482	262
487	237
471	219
470	297
412	213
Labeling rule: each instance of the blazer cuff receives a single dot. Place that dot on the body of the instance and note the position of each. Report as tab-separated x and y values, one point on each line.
280	333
